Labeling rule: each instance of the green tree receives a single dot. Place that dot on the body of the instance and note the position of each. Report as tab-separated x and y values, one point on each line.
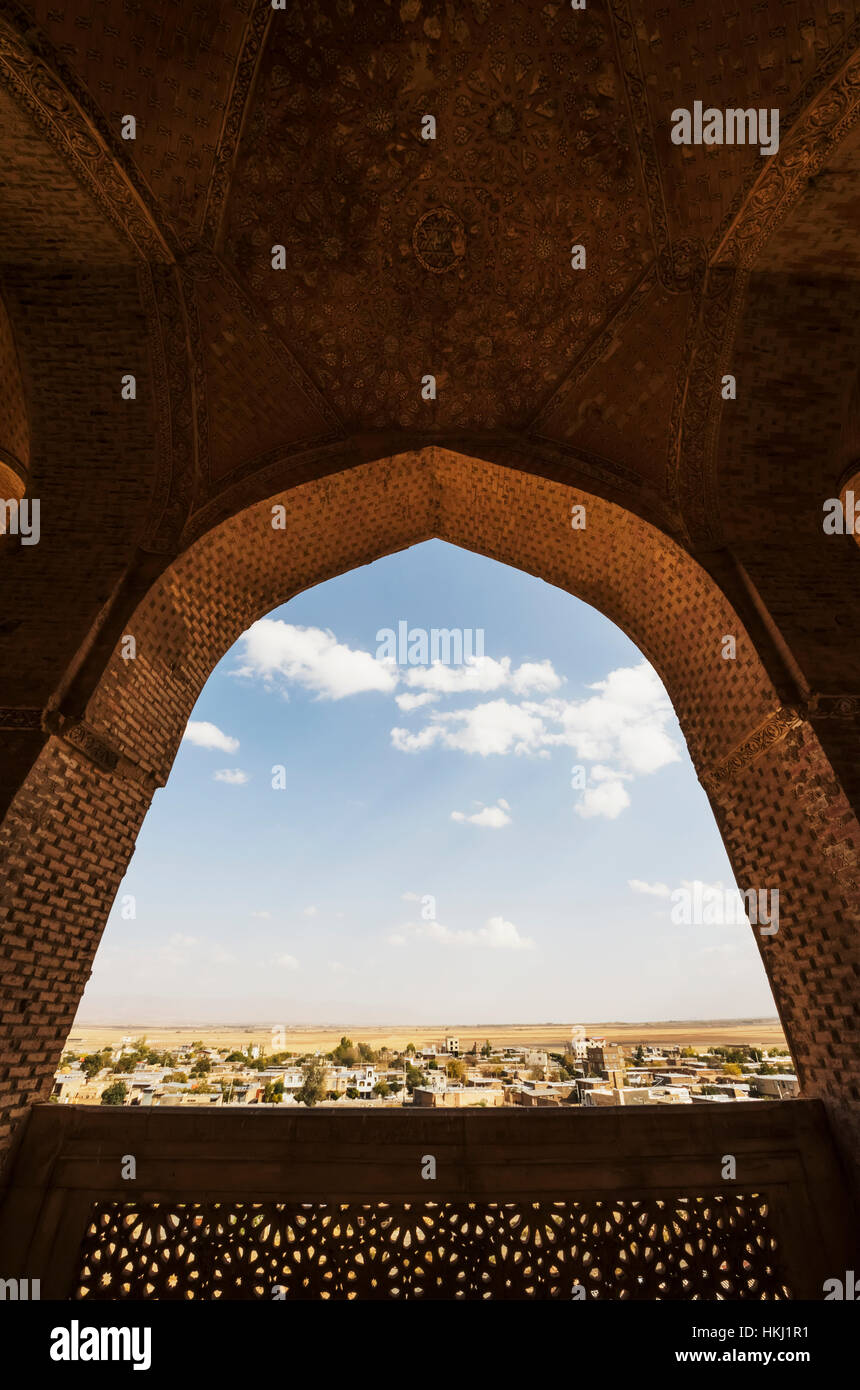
273	1092
382	1089
125	1064
201	1067
312	1089
176	1077
115	1094
351	1093
414	1077
457	1069
345	1054
639	1055
91	1064
487	1049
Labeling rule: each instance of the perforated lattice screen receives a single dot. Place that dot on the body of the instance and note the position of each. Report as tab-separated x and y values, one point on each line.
714	1247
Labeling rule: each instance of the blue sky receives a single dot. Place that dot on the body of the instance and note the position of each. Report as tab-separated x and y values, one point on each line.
310	902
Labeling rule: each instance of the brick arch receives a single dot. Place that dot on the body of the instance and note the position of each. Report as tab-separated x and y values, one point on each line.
779	806
244	568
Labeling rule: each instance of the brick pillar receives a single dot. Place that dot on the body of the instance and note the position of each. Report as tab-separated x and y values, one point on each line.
65	845
788	824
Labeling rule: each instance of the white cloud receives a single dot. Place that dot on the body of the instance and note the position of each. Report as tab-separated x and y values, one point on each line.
287	962
263	916
495	935
181	951
483	674
494	727
503	936
599	773
622	729
313	659
492	816
535	676
280	652
178	950
658	890
311	911
410	897
206	735
408	703
607	799
233	776
624	723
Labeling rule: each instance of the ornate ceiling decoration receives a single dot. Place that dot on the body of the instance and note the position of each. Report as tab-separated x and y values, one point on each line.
404	256
449	256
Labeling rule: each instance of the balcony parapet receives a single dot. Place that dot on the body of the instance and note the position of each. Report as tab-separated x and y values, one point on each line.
410	1203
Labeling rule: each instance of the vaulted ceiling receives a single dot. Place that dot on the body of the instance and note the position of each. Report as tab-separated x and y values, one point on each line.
404	257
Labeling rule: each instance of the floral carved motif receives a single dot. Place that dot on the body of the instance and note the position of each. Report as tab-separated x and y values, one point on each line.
803	150
773	730
534	154
20	718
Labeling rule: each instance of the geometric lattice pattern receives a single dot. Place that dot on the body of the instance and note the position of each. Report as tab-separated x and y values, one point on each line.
716	1247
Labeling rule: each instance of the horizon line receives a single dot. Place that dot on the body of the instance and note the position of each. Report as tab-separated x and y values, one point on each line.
550	1023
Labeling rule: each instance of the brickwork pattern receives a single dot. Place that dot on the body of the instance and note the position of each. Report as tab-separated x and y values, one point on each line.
787	823
64	846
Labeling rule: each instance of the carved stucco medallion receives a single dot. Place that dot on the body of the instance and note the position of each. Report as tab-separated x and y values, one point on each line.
439	240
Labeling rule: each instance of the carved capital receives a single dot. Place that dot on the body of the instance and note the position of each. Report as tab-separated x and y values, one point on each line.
833	707
20	718
97	750
771	731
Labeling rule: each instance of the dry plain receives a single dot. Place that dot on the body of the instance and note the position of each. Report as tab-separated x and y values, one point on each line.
759	1032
